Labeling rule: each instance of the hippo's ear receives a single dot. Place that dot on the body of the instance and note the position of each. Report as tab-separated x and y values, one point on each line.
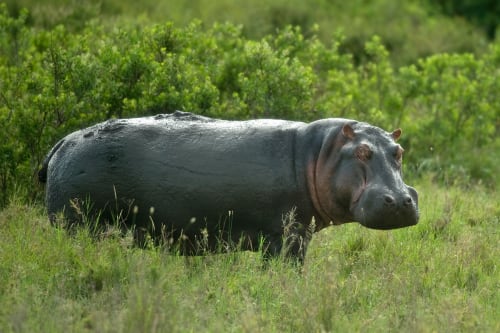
348	131
396	134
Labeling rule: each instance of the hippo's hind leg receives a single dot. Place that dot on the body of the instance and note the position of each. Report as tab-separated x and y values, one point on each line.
78	213
65	216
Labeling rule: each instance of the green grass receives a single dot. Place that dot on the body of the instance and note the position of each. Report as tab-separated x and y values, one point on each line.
441	275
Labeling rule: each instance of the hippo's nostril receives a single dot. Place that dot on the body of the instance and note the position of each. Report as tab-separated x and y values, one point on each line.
389	199
408	201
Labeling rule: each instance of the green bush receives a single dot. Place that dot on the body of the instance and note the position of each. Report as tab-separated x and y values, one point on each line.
455	113
409	29
55	81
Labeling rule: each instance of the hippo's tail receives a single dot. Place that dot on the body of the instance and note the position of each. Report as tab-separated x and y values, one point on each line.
42	173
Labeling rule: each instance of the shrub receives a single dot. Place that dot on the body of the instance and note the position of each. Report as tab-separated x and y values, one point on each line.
55	81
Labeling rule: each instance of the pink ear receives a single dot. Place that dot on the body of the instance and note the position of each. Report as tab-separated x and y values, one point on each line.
348	131
396	134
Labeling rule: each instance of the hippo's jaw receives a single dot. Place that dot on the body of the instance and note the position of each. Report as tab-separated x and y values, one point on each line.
385	210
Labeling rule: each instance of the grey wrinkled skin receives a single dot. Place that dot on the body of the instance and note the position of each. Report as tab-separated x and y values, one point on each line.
183	176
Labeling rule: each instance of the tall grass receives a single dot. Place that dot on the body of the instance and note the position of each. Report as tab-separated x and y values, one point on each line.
441	275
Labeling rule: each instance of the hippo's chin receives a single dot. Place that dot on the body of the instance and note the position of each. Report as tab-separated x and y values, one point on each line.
390	221
388	226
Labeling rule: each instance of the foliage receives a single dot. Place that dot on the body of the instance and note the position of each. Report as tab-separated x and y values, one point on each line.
483	13
55	81
410	29
441	275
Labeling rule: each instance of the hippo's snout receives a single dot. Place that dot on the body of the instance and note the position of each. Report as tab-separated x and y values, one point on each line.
414	197
385	209
406	200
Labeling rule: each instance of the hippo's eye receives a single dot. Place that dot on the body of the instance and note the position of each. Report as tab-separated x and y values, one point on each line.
363	152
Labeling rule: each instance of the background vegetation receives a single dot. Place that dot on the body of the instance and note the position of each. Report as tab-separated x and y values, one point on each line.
430	67
85	65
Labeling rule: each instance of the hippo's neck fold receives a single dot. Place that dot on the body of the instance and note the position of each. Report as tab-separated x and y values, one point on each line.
321	169
322	217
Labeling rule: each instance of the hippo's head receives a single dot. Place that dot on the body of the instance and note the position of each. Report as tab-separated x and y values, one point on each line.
358	178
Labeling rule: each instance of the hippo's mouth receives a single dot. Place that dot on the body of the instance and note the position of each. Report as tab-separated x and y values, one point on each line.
390	226
357	195
386	219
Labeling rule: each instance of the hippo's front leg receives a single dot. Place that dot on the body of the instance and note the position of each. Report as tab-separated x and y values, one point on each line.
292	245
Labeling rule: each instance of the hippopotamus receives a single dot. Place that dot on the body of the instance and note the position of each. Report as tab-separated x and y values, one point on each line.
260	184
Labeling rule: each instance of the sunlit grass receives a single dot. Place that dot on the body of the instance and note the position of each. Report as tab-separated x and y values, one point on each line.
441	275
